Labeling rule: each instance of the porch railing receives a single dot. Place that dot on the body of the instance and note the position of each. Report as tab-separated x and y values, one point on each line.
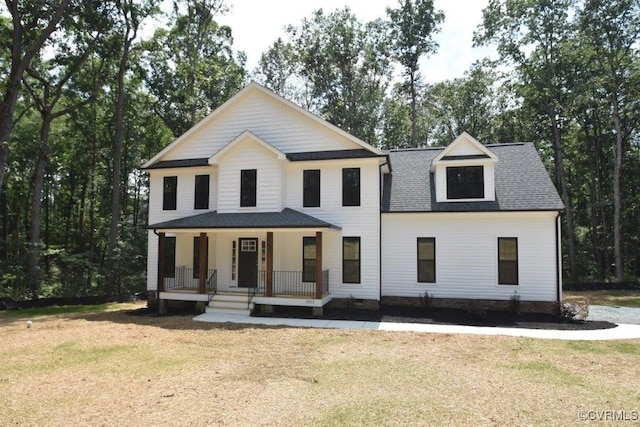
291	283
212	284
183	280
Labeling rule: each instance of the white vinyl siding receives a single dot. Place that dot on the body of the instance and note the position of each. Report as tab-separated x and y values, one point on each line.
466	254
185	193
362	221
286	129
250	155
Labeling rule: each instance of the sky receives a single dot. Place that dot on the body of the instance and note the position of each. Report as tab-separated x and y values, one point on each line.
256	24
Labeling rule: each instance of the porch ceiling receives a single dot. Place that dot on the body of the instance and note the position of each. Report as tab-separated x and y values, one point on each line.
288	218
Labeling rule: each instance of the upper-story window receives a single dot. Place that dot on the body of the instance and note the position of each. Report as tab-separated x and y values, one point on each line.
311	188
248	187
351	187
170	193
201	192
465	182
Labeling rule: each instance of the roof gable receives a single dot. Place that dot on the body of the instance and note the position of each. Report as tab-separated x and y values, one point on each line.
250	91
244	137
465	148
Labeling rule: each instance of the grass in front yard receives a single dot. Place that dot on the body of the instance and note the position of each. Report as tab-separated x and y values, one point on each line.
64	309
111	368
624	298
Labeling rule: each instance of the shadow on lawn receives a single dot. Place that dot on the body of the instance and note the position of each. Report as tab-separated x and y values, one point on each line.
183	319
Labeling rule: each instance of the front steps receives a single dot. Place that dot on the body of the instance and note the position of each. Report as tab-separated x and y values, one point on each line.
229	303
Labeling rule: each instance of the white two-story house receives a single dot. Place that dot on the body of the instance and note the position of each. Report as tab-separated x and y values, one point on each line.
265	203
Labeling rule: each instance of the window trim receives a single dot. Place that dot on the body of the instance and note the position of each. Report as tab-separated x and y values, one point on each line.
248	194
170	198
201	198
309	273
501	279
349	197
431	261
311	190
449	191
358	260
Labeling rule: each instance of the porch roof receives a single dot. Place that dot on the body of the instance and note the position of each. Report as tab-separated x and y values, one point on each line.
288	218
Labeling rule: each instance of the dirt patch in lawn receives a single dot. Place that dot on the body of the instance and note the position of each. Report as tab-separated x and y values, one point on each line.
114	368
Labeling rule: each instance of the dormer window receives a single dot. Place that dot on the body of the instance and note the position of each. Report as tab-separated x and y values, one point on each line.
464	172
465	182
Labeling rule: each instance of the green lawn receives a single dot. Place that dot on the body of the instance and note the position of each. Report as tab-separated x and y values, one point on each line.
626	298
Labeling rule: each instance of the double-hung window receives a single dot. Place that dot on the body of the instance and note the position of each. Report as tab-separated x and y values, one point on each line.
308	259
170	193
201	196
351	259
426	259
351	187
507	261
169	257
311	188
248	187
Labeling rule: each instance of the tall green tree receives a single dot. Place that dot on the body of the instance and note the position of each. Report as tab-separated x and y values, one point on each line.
347	66
192	67
413	25
534	36
47	82
32	23
610	29
464	104
132	14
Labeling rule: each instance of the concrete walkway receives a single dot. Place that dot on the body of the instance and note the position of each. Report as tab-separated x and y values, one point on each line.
622	331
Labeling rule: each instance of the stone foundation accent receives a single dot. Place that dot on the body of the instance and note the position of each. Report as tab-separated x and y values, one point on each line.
550	307
317	311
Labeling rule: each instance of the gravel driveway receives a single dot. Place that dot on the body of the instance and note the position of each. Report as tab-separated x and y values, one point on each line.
629	315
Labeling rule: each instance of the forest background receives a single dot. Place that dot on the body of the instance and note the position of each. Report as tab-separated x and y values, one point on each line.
88	94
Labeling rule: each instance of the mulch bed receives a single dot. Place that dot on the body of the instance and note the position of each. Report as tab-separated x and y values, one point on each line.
443	316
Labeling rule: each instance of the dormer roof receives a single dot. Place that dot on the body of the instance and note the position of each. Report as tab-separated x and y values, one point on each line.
464	149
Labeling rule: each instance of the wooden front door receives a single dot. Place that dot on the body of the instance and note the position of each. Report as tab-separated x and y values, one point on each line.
248	263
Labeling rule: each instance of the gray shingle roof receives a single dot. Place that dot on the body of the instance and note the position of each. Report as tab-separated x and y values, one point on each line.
522	183
288	218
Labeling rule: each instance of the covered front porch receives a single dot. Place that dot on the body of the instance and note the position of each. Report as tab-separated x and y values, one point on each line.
272	264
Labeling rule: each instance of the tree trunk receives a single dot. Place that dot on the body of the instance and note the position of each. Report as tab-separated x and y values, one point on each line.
617	190
414	108
111	275
566	198
33	256
20	61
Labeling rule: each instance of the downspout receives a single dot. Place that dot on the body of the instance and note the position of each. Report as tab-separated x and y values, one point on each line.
380	195
558	261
